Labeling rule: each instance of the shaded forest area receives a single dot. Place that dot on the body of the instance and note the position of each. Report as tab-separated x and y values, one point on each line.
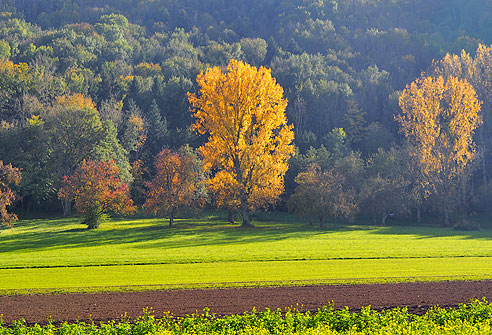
101	80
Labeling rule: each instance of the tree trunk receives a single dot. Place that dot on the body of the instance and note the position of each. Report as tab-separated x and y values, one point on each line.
447	223
62	201
245	213
383	221
482	154
29	206
419	218
66	206
171	219
231	216
464	201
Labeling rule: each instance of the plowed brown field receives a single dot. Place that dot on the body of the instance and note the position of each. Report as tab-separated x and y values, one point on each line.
105	306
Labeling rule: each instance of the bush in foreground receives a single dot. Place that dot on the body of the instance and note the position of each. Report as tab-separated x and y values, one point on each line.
475	318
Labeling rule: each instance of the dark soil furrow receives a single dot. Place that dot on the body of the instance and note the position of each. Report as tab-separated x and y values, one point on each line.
104	306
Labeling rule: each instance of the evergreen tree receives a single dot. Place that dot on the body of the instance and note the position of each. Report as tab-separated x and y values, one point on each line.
157	128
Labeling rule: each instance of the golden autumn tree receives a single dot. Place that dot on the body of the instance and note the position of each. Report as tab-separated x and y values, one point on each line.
477	71
439	118
225	197
242	110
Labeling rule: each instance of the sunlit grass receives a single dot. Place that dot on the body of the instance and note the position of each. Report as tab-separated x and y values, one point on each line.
61	254
238	274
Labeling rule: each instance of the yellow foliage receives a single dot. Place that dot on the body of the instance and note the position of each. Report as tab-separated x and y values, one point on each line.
127	78
77	100
147	69
21	69
14	75
477	71
242	109
439	118
138	124
35	120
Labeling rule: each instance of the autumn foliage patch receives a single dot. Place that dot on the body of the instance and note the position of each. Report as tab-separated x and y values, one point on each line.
242	111
9	176
97	191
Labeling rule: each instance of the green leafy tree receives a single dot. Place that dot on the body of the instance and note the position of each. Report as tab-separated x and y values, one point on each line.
77	133
386	189
28	146
254	50
355	122
4	50
109	148
16	80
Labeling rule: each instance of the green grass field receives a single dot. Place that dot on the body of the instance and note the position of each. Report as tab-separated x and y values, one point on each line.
61	255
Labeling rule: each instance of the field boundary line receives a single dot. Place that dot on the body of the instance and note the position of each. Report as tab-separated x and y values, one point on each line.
236	261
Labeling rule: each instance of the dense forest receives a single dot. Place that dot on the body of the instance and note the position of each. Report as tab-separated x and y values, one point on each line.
108	80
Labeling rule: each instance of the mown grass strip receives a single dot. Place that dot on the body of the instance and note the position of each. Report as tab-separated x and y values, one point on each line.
231	274
64	242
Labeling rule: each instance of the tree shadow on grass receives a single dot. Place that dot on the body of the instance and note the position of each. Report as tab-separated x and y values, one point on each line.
148	234
434	231
74	230
37	235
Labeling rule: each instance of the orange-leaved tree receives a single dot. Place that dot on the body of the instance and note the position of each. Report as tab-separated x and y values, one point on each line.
8	176
178	183
439	118
242	110
97	191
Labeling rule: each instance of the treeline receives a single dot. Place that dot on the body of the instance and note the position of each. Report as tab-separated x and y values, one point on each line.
80	82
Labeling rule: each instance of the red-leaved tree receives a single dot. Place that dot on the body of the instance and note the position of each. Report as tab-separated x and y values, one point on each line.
8	176
97	191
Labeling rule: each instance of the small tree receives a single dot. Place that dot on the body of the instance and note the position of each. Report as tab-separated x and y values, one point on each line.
97	191
383	197
178	183
321	195
8	176
386	187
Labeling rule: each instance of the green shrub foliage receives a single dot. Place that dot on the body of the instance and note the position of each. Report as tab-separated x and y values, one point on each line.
473	318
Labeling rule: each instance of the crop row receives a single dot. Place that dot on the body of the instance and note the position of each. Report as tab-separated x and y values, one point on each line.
473	318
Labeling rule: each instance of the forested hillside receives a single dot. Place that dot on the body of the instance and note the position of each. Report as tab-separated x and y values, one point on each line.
102	80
